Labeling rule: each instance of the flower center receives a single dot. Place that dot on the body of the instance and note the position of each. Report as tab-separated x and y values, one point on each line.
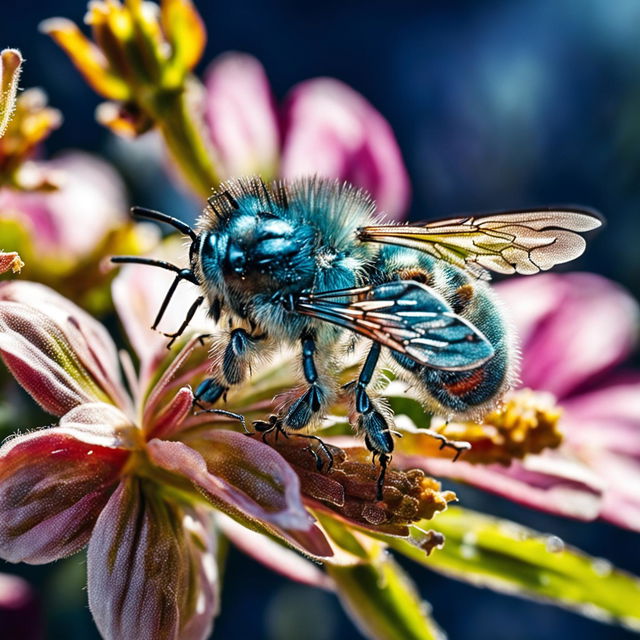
527	422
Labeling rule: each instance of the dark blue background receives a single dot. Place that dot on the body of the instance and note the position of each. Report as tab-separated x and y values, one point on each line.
496	104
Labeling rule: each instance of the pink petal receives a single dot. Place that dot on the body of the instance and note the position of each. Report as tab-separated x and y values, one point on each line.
241	116
621	503
240	474
53	485
138	292
273	555
57	352
70	222
151	568
607	418
172	416
546	482
333	131
573	326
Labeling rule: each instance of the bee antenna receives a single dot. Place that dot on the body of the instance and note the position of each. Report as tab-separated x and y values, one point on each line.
185	274
141	212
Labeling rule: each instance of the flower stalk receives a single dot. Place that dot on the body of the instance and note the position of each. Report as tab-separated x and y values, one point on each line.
141	59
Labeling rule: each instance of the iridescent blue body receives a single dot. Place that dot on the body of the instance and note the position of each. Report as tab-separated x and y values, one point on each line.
259	250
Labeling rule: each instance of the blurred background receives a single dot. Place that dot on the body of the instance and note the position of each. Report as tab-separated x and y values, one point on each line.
497	104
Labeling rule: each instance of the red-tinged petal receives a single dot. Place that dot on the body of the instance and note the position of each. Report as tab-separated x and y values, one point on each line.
584	324
240	474
331	130
53	485
58	352
241	115
547	482
151	569
10	261
274	555
168	422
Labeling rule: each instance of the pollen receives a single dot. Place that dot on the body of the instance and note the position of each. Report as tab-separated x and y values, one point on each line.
527	422
348	487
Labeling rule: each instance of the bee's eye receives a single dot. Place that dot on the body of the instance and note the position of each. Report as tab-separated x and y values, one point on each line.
208	247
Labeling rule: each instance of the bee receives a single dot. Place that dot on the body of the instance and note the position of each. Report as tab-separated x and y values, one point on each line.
306	263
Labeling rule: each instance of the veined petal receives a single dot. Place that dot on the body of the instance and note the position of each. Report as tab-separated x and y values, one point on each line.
547	482
151	568
57	352
584	324
53	485
87	58
241	116
238	474
172	416
273	555
333	131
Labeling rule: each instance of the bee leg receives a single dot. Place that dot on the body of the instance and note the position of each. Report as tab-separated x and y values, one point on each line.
185	323
303	409
209	391
222	412
458	446
234	367
377	431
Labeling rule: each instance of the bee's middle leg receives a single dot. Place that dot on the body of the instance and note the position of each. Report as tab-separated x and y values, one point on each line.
378	435
307	406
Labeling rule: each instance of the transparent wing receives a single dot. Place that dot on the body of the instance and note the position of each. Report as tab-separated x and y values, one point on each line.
524	242
406	316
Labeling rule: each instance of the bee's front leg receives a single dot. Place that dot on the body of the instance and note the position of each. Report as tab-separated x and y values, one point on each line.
234	367
304	409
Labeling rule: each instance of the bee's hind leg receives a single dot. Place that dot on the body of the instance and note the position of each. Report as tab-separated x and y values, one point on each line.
378	434
274	424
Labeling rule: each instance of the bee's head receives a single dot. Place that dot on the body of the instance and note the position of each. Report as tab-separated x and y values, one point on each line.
258	251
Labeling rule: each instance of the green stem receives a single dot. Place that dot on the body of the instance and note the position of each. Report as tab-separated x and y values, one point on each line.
184	134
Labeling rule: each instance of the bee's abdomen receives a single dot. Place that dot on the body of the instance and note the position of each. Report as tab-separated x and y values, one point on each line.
459	392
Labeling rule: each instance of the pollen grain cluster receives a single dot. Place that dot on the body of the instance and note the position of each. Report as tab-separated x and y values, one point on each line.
526	422
349	486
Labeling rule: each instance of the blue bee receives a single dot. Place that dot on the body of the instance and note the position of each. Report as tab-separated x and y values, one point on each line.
305	263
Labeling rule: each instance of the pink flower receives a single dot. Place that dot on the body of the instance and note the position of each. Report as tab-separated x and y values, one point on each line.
131	474
324	127
575	330
89	191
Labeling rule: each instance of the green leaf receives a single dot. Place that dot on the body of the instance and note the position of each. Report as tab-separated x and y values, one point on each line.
382	600
509	558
